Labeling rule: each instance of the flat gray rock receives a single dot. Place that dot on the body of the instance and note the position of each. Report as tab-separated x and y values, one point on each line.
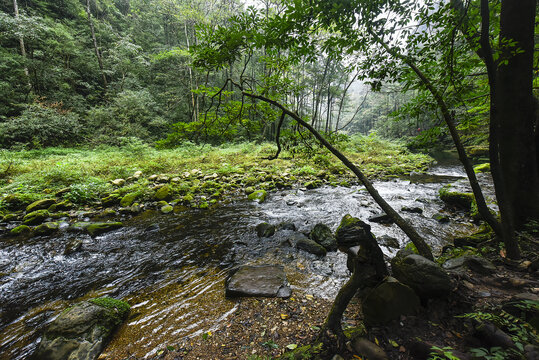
261	280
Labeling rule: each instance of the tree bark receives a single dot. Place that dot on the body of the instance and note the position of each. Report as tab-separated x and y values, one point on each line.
96	48
21	44
515	111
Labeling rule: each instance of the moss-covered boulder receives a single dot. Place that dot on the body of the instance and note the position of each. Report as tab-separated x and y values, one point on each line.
388	301
98	228
10	217
82	331
163	193
46	228
258	196
40	205
426	277
61	206
457	199
129	199
482	168
35	217
351	231
111	199
21	230
322	234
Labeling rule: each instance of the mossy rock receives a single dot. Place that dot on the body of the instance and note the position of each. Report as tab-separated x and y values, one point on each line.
258	196
458	199
313	184
163	193
249	190
95	229
19	201
46	228
111	199
107	213
40	205
10	217
188	198
21	230
441	218
83	330
204	205
129	199
35	217
61	206
166	209
482	168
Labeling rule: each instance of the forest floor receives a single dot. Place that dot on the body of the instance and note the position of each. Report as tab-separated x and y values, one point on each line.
270	328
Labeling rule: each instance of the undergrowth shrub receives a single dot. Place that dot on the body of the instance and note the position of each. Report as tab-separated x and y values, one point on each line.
41	125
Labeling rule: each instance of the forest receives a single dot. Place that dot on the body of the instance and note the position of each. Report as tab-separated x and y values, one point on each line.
263	179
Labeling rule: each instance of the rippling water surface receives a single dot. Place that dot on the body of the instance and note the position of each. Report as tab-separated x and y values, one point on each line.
171	268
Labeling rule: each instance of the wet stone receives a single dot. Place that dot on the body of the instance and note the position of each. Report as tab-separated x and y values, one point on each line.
262	280
381	218
265	230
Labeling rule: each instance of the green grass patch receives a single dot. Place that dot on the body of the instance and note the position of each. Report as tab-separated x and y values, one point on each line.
87	172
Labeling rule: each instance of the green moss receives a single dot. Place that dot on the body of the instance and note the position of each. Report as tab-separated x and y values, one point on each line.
40	204
455	198
353	332
258	196
20	230
481	168
410	246
129	199
35	217
163	193
95	229
119	309
46	228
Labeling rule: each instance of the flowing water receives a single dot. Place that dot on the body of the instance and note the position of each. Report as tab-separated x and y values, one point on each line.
171	268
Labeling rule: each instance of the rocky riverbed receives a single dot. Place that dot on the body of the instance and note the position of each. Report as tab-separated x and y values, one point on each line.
170	266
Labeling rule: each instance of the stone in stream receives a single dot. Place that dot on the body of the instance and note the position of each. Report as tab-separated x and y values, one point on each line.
311	246
388	241
73	246
260	280
81	332
258	196
323	235
368	349
46	228
265	230
381	218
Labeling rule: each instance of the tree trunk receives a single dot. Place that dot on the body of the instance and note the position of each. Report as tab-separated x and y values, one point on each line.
21	44
96	48
515	113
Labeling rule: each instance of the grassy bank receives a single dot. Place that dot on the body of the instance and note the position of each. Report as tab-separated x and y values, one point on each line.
83	175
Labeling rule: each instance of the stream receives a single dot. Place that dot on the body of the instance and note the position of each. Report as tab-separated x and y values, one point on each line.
171	268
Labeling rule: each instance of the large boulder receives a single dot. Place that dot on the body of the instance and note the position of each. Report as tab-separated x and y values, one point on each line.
261	280
81	332
351	232
388	301
424	276
323	235
462	200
